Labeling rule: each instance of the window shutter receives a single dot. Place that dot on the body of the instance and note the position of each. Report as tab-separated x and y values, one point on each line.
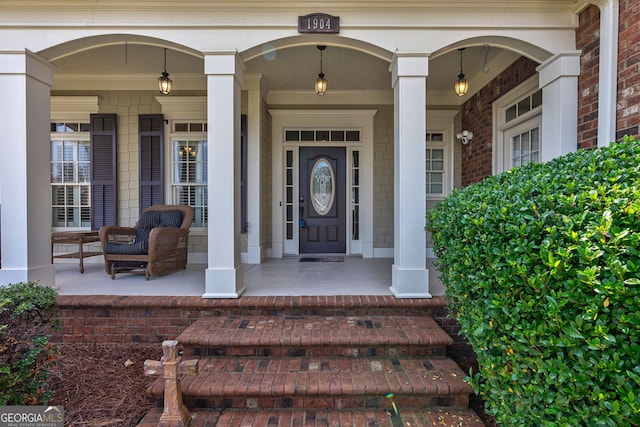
243	174
151	157
104	195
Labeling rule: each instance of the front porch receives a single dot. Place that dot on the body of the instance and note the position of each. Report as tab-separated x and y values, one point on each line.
274	277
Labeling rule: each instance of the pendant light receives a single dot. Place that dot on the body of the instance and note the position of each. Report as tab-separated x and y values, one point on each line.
462	85
321	82
164	82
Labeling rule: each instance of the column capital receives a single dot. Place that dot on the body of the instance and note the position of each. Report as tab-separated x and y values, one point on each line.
27	63
563	64
605	4
221	63
409	64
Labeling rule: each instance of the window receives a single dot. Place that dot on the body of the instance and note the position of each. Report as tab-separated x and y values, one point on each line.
525	147
517	124
187	153
435	164
355	194
71	175
190	177
325	135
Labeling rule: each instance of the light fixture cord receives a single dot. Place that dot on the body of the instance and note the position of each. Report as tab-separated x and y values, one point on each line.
321	62
461	62
164	67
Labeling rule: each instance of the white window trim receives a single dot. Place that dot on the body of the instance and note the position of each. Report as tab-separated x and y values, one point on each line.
441	121
447	168
71	109
181	109
502	130
521	127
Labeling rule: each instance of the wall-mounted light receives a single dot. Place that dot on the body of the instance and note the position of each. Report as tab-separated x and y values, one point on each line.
465	136
461	85
164	82
321	82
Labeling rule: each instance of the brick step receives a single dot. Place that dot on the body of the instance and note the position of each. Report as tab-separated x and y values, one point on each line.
331	382
273	336
326	418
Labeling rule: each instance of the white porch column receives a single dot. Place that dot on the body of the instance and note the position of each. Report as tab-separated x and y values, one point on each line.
409	278
559	83
608	78
223	277
25	180
254	170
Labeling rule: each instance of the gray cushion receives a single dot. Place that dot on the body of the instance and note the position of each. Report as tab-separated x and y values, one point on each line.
171	219
149	219
138	248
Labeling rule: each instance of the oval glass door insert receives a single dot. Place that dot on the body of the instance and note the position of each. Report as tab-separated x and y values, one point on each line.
322	186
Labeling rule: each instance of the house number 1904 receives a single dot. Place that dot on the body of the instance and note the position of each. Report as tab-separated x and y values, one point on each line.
318	23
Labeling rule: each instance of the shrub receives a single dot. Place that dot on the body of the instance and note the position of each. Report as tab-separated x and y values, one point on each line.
27	313
542	269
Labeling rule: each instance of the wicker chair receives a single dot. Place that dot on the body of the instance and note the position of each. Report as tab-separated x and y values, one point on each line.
157	244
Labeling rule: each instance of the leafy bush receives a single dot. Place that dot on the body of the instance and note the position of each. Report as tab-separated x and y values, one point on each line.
27	313
542	268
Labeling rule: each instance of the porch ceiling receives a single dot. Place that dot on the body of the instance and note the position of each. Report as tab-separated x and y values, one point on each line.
289	69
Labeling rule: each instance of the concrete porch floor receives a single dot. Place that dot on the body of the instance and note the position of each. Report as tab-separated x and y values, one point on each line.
275	277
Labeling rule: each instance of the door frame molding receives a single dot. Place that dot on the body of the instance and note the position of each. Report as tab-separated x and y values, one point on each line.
361	120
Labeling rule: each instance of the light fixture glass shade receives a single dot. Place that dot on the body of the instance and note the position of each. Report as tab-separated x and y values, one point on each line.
321	84
164	83
461	86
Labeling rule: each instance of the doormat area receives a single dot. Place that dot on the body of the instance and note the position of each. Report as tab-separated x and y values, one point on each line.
323	259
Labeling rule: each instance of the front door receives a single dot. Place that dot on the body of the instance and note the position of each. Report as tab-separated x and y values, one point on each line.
323	225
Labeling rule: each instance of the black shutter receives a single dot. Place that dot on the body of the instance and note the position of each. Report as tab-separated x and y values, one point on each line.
104	194
243	173
151	157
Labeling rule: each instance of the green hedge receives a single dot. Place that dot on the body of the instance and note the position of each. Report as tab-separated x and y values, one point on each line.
542	268
28	313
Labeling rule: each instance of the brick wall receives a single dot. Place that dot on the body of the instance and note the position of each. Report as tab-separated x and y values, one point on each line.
628	96
476	116
588	41
628	105
152	319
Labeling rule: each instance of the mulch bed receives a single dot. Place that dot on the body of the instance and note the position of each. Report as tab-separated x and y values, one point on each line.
103	385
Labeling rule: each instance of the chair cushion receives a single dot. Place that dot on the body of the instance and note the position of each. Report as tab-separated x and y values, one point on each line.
171	219
137	248
142	237
149	219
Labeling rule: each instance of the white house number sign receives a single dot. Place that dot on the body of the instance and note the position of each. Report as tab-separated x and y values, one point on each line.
318	23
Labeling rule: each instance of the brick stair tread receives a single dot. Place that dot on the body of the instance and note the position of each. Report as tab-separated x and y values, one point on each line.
311	376
325	418
254	331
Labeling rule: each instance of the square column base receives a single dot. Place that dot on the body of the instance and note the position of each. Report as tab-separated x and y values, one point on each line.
44	275
223	283
409	282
